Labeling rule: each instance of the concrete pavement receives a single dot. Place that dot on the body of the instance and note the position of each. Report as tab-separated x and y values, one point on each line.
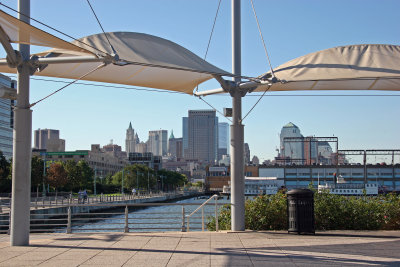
334	248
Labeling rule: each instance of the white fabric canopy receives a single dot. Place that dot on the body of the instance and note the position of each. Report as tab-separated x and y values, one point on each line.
150	62
145	60
353	67
20	32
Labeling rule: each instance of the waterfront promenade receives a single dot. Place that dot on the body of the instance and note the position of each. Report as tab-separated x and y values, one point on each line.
334	248
53	202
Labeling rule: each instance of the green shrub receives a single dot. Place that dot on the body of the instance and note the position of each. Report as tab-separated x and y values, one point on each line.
266	212
332	212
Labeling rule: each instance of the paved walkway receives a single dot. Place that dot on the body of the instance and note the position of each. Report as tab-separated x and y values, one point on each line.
336	248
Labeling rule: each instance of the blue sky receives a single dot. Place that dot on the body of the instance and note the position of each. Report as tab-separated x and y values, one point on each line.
91	114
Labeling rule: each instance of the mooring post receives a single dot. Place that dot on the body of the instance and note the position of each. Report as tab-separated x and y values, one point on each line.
69	223
183	219
126	219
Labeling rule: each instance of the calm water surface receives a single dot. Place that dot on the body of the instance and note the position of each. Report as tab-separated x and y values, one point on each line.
158	218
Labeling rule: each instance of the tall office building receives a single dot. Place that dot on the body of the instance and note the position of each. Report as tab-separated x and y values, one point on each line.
158	142
130	140
48	139
246	153
223	139
6	119
174	146
185	135
202	136
292	150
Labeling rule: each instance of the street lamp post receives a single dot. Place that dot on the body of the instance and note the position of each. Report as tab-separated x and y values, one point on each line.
44	174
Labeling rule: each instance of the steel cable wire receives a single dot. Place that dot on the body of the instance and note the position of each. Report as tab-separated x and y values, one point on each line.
54	29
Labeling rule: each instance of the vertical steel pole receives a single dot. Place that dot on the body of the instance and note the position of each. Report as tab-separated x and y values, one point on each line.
21	174
69	221
365	167
126	229
216	213
94	182
183	227
237	129
44	174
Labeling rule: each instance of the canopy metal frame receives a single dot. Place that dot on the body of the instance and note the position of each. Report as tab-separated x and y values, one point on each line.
27	66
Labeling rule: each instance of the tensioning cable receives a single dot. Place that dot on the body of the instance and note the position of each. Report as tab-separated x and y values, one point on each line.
98	21
262	38
81	77
214	108
54	29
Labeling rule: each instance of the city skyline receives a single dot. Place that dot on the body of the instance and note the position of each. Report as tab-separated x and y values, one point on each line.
290	31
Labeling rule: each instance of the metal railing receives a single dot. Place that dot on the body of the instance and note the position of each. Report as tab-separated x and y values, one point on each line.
124	217
202	213
56	201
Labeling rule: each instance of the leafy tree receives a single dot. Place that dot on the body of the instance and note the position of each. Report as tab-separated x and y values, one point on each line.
86	174
5	173
73	175
199	184
172	179
136	176
109	178
36	171
57	176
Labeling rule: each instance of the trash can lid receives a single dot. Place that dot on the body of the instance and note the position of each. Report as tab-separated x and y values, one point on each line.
300	191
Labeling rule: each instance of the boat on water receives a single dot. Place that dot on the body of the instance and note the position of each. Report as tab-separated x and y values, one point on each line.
341	187
255	186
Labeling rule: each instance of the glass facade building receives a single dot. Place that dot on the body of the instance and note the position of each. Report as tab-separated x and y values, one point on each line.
202	136
6	119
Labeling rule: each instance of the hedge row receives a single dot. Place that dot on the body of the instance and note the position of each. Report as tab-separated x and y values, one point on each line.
332	212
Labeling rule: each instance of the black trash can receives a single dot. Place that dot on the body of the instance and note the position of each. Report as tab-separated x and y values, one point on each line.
300	211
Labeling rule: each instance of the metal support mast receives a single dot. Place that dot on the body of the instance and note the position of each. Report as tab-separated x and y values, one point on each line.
237	128
20	206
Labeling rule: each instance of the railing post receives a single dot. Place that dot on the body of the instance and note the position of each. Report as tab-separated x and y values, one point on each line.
202	219
216	213
69	223
35	205
9	221
126	220
183	219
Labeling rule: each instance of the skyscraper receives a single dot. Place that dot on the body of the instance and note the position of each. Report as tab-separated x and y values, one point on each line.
223	139
48	139
174	147
6	119
292	150
185	135
246	153
202	136
158	142
130	141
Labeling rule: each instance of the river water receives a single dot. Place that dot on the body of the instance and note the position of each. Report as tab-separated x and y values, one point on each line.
152	219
